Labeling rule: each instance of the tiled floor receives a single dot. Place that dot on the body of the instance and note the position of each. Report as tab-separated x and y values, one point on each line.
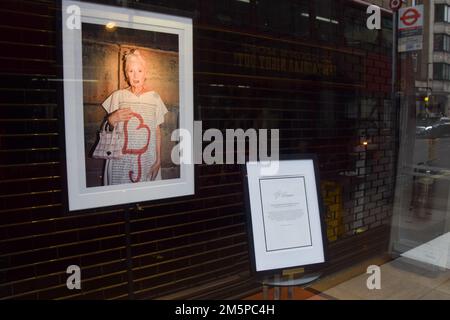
401	279
298	294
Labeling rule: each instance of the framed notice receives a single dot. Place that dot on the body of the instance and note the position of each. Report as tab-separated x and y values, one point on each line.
286	224
128	89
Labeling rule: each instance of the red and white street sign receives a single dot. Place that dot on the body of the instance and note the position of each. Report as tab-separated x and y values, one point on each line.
410	29
410	18
395	5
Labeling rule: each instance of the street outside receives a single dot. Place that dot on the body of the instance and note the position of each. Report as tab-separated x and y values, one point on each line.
428	204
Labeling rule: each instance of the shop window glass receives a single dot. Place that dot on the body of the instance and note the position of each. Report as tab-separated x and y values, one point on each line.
327	20
356	32
301	17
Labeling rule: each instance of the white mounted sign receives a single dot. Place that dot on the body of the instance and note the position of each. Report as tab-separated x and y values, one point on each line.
286	222
410	28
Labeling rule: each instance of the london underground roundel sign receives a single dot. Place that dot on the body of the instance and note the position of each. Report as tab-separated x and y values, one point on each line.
410	17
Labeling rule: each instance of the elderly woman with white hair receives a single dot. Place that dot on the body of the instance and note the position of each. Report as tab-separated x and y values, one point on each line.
137	113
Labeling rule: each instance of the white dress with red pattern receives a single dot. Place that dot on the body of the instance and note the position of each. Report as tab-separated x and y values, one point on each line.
139	133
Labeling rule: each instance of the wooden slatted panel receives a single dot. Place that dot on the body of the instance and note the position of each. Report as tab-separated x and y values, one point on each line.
38	241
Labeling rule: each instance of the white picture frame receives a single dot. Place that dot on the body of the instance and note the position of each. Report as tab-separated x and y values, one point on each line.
77	15
286	227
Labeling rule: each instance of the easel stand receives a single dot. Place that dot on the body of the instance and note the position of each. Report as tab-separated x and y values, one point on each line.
288	278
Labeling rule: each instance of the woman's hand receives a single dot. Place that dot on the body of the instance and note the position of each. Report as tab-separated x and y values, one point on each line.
154	170
119	115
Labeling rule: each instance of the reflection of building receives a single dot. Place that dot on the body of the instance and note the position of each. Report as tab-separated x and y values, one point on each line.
432	64
421	202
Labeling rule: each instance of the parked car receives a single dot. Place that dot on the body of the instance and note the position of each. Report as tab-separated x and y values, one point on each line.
441	128
432	128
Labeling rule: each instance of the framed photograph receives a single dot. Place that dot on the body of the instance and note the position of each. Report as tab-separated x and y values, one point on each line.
285	220
128	88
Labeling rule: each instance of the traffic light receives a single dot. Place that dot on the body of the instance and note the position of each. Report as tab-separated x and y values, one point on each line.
426	101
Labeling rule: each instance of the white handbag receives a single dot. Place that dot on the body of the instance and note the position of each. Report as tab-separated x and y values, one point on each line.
110	144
